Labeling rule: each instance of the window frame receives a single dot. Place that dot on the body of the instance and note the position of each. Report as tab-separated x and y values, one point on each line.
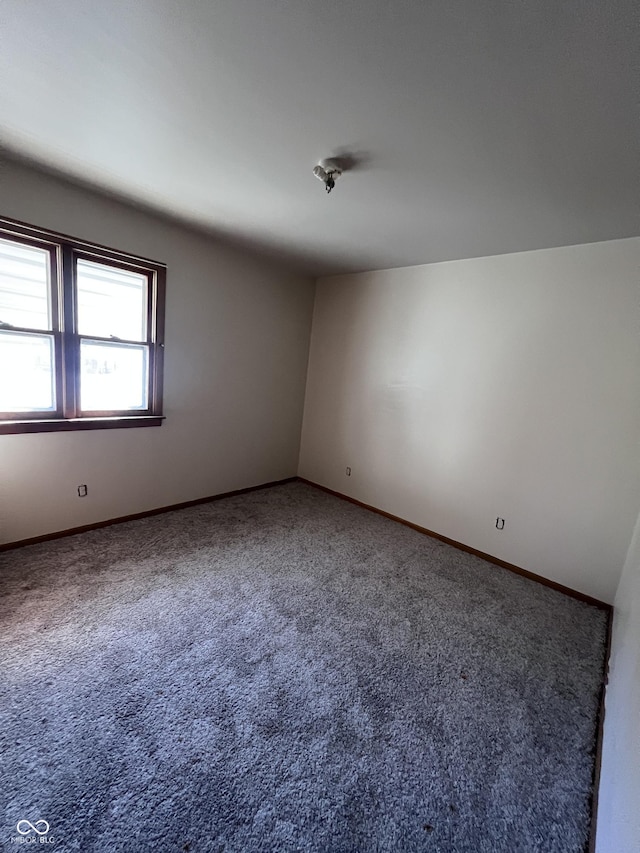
64	252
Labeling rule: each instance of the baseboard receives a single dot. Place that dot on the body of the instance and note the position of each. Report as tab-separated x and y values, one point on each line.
574	593
71	531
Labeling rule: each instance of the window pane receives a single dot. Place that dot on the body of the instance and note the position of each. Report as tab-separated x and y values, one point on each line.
24	286
26	373
111	302
113	377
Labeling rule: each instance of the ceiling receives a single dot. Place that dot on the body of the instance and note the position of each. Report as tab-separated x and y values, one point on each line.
477	127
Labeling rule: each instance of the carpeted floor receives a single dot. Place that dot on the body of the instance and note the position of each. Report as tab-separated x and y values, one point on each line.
284	671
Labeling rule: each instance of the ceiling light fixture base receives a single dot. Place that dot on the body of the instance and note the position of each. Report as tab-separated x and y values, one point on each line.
328	171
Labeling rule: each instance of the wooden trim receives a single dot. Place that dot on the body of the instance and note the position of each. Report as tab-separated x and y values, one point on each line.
65	252
25	330
105	258
597	769
159	293
97	339
581	596
15	233
32	232
72	531
71	424
70	366
56	302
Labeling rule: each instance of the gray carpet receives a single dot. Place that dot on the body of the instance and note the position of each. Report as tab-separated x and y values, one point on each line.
284	671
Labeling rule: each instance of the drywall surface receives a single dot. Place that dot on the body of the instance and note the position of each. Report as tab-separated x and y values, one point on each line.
619	796
505	387
237	336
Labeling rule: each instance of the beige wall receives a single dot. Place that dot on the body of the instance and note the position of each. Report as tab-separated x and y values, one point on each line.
504	386
237	333
619	795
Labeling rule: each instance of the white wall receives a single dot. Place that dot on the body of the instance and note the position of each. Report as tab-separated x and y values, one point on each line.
237	335
619	794
503	386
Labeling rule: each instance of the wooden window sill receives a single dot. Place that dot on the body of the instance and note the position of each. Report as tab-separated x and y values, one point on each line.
61	425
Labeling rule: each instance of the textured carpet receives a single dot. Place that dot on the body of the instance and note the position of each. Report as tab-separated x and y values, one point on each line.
285	671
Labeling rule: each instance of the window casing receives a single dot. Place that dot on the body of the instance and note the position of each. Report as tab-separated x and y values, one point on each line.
81	334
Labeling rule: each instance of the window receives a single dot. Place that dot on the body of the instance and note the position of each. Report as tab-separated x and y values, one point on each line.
81	334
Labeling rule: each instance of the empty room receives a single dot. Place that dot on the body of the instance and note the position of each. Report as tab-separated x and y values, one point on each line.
320	426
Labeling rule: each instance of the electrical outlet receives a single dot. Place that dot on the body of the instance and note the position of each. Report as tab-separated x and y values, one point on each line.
82	491
500	523
348	471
